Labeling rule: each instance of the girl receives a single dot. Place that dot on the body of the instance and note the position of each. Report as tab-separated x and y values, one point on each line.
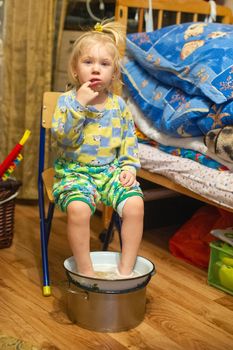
97	151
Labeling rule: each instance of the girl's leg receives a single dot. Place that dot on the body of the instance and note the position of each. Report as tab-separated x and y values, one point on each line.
78	230
132	230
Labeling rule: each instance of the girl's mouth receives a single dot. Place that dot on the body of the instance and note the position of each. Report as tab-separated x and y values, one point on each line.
94	82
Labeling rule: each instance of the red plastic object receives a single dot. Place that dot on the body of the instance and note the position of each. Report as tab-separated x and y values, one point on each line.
191	241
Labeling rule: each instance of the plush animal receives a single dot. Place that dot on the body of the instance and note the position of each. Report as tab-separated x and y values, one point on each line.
220	142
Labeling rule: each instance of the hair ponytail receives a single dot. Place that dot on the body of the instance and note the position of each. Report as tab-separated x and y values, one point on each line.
114	29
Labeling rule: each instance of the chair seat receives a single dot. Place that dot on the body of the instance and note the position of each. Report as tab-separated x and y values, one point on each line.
47	177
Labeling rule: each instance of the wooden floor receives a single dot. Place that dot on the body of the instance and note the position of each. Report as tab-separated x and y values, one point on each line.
183	312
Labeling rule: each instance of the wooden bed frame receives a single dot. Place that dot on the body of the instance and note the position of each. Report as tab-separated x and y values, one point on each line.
178	9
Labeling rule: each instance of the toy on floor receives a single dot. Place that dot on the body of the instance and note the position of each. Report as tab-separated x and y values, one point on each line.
14	158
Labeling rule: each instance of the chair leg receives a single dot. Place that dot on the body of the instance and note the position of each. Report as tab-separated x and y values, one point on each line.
109	234
115	222
49	219
118	227
45	227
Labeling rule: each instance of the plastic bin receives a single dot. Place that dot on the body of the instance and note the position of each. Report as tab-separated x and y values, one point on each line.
220	272
8	193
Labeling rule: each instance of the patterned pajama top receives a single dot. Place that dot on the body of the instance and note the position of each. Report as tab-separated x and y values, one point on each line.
93	137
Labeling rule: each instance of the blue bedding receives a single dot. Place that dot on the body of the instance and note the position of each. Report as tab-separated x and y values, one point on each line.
181	77
169	109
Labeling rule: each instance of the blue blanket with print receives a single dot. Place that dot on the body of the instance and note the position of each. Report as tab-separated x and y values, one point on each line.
181	77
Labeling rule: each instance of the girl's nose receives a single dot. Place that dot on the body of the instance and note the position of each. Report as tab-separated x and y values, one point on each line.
96	68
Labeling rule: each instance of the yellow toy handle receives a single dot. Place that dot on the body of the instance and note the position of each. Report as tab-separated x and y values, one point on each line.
25	137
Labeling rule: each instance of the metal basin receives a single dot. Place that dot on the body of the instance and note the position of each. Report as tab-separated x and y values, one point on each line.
144	269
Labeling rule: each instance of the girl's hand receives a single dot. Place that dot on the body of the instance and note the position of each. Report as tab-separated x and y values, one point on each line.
127	179
85	94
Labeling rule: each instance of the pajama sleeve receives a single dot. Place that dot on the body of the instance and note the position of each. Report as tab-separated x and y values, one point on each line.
128	154
68	121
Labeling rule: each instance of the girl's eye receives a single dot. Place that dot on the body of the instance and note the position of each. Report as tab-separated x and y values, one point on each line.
87	61
106	63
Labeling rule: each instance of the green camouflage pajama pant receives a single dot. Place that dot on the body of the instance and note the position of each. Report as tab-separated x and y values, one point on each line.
90	184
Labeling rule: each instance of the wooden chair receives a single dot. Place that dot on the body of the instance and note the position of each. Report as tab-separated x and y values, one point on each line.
45	184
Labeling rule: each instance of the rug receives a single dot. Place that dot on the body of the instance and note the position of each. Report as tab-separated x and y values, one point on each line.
11	343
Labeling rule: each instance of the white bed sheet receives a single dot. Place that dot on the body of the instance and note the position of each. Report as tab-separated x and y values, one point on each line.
212	184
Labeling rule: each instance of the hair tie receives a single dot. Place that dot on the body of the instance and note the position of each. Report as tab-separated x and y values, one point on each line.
98	27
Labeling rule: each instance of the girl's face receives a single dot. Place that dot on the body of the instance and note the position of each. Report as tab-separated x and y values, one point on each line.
96	65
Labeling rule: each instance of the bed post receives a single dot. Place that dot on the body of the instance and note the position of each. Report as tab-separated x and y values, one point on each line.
121	15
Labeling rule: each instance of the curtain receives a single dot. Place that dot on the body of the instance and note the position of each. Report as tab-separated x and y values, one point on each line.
1	55
27	71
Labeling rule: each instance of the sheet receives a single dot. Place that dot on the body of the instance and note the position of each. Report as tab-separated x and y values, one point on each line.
212	184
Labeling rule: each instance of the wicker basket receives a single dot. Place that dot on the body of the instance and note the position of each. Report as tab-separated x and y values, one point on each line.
8	193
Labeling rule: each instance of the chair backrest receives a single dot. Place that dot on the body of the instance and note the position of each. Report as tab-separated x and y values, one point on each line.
48	108
49	104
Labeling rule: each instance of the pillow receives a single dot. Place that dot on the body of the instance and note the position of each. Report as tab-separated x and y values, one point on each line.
168	109
195	57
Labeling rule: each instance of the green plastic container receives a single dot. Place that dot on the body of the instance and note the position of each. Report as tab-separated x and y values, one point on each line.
220	272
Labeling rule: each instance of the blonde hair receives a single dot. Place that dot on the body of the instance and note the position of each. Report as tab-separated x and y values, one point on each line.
109	33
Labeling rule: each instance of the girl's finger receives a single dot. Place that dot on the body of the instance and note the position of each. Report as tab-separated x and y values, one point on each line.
87	83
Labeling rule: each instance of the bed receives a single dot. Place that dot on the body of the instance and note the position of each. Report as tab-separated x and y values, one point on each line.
210	185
